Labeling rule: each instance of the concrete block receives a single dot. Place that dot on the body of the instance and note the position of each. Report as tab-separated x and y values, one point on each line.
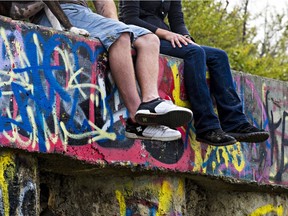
57	97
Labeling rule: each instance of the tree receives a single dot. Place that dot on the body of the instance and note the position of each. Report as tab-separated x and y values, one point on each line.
211	24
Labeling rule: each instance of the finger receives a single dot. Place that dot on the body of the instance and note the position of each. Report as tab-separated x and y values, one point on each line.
188	40
178	42
183	41
173	43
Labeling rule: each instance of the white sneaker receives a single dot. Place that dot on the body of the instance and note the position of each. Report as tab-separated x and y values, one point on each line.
158	132
162	112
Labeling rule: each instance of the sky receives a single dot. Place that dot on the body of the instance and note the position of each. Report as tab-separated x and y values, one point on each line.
257	6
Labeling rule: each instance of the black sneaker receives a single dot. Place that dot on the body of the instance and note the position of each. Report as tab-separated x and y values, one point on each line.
162	112
215	137
158	132
248	133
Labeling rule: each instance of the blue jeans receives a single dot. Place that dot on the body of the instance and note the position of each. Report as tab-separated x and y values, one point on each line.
229	106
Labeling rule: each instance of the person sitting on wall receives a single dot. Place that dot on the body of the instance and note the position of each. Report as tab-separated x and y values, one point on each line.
176	41
152	118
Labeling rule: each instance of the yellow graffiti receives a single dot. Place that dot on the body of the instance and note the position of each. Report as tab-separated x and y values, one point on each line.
165	199
228	155
181	188
177	91
7	171
170	194
121	201
268	209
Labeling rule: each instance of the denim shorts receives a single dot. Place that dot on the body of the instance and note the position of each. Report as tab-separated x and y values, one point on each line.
105	29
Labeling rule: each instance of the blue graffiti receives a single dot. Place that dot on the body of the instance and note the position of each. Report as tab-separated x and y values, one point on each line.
43	102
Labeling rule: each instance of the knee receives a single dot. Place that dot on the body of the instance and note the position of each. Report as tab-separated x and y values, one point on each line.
152	39
221	55
196	52
149	41
124	39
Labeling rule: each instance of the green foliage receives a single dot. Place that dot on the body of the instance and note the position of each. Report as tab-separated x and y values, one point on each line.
91	5
211	24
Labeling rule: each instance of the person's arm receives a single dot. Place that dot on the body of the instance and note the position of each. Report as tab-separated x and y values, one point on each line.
106	8
176	18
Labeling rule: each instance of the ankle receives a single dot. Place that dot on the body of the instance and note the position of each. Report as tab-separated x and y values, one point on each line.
131	120
150	99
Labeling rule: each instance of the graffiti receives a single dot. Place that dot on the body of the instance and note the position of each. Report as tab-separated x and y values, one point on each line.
7	172
38	89
168	192
57	96
29	187
15	190
219	159
5	208
278	146
266	108
264	210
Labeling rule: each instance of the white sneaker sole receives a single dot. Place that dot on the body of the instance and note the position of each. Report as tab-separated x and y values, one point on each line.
134	136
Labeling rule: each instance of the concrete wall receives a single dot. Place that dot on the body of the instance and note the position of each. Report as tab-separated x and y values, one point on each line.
19	192
154	195
58	101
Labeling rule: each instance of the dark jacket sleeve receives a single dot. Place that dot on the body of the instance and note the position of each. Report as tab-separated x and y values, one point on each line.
176	18
130	14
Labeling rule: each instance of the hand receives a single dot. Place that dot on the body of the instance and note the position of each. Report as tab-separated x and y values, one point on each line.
174	38
177	39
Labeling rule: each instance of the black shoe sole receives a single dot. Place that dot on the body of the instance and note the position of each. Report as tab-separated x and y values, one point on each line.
170	119
216	144
255	137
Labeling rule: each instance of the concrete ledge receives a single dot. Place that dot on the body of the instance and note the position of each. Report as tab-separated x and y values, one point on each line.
57	97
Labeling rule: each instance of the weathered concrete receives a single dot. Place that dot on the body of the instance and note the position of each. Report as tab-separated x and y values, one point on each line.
19	192
113	195
59	103
155	194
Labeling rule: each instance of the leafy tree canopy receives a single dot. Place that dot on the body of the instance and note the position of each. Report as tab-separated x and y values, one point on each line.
210	23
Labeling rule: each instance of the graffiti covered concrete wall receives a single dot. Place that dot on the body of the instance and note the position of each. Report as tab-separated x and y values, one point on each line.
57	96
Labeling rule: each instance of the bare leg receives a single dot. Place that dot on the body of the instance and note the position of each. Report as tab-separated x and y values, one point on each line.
123	72
147	65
